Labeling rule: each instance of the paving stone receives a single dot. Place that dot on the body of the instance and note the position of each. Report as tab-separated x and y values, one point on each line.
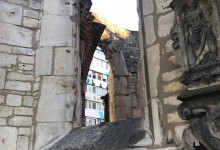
5	49
29	22
23	51
3	122
149	30
10	13
9	136
172	100
174	118
26	67
153	57
47	132
148	7
23	111
2	78
169	76
23	36
22	143
7	60
18	86
26	59
163	5
56	94
173	87
19	76
43	61
165	24
65	61
31	13
5	111
13	100
56	31
28	101
20	121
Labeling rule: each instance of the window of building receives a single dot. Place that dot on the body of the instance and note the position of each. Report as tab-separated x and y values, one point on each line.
99	105
90	104
86	105
99	92
94	89
94	105
89	88
104	77
99	76
94	97
94	76
106	65
93	121
90	74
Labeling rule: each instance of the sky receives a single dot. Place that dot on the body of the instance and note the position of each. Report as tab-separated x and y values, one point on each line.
123	13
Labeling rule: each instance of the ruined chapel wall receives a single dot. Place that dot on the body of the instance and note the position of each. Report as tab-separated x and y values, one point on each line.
38	72
162	72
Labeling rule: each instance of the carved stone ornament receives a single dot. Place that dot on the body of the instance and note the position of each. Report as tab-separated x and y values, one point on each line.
194	43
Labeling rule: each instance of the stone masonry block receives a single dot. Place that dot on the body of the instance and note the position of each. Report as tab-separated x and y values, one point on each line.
24	131
18	2
31	13
7	60
149	30
20	121
22	143
35	4
174	117
2	78
25	67
173	87
56	31
3	122
5	111
5	49
9	136
18	86
162	5
29	22
28	101
23	111
26	59
65	61
23	36
165	24
23	51
121	86
43	61
2	99
13	100
10	13
148	7
19	76
169	76
172	100
153	58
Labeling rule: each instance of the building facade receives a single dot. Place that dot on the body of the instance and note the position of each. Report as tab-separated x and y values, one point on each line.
96	86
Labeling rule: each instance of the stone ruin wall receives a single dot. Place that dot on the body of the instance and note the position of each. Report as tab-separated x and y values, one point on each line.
161	69
38	72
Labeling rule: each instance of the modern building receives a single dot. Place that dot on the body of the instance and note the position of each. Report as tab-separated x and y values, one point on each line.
97	86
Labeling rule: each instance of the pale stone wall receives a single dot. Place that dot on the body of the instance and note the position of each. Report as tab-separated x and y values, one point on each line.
161	72
38	72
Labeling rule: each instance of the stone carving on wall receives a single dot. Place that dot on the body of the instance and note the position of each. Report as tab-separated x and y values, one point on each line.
195	43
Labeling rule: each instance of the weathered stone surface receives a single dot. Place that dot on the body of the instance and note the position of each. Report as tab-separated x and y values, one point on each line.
47	132
24	131
173	117
2	78
18	2
7	60
13	100
5	48
105	135
179	132
65	61
23	36
149	30
2	122
28	101
56	31
173	87
30	13
162	5
10	13
34	4
172	100
165	24
173	60
148	7
5	111
59	7
57	99
43	61
2	99
121	86
25	67
169	46
20	121
169	76
153	57
22	143
36	86
120	69
29	22
9	136
26	59
23	111
18	86
23	51
19	76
